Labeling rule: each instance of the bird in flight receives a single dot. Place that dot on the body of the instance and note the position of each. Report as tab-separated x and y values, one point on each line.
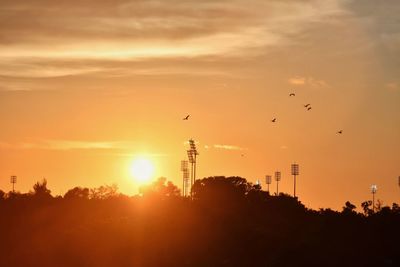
309	108
340	132
306	106
273	120
186	118
292	94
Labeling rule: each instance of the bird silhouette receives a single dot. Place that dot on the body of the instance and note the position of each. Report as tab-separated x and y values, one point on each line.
309	108
273	120
292	94
340	132
186	118
306	106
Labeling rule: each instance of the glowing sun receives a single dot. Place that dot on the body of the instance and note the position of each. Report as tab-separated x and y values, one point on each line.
142	170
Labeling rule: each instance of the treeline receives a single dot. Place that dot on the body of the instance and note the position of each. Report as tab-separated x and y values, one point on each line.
227	222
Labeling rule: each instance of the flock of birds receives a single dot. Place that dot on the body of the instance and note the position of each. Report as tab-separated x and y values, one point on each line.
307	106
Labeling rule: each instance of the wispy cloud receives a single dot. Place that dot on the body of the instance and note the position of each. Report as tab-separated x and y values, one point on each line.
297	80
127	30
65	145
393	86
308	81
228	147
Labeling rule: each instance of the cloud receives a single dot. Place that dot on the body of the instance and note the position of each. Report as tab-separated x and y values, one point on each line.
66	145
309	81
393	86
127	30
297	80
228	147
50	68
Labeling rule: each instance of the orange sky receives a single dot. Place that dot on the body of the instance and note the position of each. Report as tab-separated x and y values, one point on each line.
87	86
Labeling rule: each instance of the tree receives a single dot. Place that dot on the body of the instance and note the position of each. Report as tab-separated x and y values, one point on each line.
77	193
104	192
160	188
349	208
366	207
396	207
41	190
221	188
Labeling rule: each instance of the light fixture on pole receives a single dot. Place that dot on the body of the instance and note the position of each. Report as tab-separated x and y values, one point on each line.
399	181
278	176
295	172
13	180
374	188
268	181
185	177
192	156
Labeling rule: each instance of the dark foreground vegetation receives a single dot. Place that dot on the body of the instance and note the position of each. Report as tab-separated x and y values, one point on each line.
229	222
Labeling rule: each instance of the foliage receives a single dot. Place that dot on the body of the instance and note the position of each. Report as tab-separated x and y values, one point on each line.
229	222
160	188
77	193
40	189
104	192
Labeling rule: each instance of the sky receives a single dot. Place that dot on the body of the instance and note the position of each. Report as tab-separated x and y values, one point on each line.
88	86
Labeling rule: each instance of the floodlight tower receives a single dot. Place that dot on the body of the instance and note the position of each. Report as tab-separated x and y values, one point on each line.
13	180
398	181
185	178
187	184
295	172
191	161
268	181
374	188
192	155
278	176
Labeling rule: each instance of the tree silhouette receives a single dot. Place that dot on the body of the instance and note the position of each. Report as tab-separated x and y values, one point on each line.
349	208
40	189
77	193
229	222
160	188
104	192
366	207
221	188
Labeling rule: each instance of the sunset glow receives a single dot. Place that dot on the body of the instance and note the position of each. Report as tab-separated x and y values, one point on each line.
164	133
142	170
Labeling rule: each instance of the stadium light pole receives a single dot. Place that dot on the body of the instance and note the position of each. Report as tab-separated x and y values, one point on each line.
185	177
278	176
192	156
295	172
13	180
268	181
374	188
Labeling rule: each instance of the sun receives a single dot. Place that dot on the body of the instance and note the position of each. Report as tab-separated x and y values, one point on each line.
142	170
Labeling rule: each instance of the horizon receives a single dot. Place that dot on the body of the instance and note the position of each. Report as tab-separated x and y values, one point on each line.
97	93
